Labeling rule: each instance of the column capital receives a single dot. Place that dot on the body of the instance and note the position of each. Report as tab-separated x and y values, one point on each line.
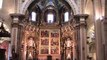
78	16
81	19
16	19
16	15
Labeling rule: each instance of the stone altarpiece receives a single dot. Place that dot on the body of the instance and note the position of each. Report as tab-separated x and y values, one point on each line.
40	39
31	35
39	42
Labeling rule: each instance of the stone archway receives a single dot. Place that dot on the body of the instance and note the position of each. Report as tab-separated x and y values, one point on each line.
26	4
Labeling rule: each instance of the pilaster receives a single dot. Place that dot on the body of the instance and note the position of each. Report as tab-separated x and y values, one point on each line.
15	38
98	38
104	39
81	22
104	30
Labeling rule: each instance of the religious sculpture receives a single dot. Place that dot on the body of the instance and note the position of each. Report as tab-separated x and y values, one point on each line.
69	46
30	48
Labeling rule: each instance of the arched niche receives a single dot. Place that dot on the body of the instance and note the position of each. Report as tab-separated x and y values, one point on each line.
50	10
33	8
57	11
42	8
62	11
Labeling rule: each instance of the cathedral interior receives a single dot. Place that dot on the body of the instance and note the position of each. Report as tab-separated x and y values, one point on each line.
53	30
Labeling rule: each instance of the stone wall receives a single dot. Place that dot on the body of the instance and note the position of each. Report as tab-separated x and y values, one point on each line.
6	10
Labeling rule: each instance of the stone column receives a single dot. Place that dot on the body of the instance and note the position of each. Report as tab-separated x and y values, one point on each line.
101	33
77	41
104	38
15	36
100	28
81	21
98	38
104	22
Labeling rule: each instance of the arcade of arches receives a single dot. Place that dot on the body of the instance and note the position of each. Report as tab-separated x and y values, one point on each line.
53	30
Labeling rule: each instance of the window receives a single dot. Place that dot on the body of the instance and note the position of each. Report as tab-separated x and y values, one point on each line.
50	18
66	16
1	2
33	16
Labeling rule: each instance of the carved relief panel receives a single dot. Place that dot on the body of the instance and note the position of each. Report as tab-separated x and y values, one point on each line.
68	42
29	48
49	41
